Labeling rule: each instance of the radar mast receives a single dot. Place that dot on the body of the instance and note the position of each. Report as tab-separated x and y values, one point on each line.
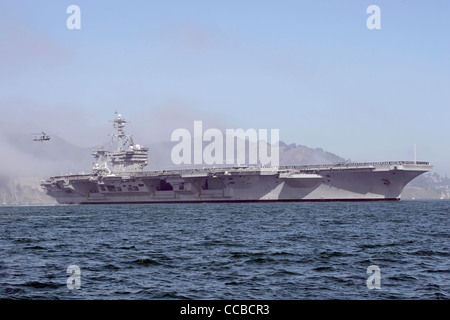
127	156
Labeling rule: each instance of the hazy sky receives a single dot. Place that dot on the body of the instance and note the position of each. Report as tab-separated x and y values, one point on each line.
311	69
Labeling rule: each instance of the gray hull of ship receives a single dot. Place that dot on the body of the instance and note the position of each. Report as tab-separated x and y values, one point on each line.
349	182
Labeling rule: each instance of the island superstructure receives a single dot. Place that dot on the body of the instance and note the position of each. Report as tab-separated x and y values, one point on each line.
118	176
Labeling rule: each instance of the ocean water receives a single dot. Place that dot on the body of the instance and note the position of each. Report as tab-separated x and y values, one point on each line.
270	251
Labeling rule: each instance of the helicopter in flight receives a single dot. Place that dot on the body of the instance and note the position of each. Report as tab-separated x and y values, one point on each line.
43	137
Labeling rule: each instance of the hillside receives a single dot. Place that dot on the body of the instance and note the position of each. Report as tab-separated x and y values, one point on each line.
428	186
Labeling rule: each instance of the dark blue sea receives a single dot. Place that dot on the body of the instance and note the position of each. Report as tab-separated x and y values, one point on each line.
268	251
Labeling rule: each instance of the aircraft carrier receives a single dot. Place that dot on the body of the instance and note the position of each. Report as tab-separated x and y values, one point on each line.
118	177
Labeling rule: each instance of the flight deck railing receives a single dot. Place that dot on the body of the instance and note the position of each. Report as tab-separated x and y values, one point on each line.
248	169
